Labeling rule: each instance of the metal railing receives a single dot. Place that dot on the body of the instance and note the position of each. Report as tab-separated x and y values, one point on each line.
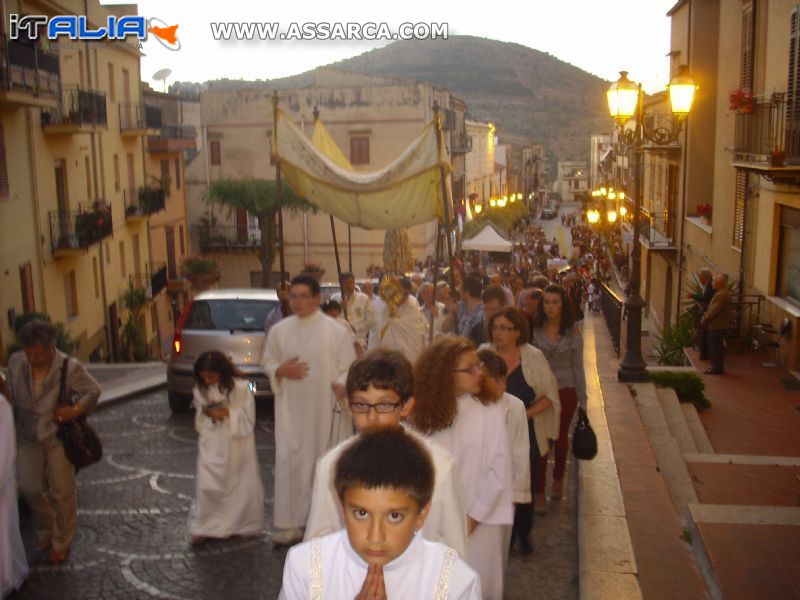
233	237
78	107
28	68
135	116
154	279
764	132
177	132
79	230
144	201
461	143
612	311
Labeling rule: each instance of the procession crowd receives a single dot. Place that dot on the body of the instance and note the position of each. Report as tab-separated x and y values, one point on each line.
413	427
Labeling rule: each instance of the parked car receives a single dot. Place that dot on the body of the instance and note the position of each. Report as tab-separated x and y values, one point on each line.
549	212
229	321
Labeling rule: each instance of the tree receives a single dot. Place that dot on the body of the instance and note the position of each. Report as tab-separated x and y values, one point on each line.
259	198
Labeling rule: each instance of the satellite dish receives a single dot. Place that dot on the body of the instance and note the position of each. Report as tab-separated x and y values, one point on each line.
161	75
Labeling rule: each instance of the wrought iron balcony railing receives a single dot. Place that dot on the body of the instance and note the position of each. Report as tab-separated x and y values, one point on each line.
154	279
79	230
461	144
134	116
656	228
228	237
765	133
24	67
144	201
78	107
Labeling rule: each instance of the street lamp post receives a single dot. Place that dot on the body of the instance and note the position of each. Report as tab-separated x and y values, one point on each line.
625	102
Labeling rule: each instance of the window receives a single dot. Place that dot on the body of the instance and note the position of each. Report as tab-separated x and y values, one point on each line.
71	294
123	270
26	284
359	149
177	173
180	240
740	196
4	187
748	39
214	149
112	95
117	179
165	180
88	170
96	278
789	255
793	87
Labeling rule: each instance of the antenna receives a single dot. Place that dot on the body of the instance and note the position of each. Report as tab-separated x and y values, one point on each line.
161	75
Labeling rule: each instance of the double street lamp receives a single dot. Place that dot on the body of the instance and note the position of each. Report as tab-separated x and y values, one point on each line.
625	102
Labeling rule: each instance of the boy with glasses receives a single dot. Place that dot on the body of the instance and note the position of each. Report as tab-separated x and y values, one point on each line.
379	387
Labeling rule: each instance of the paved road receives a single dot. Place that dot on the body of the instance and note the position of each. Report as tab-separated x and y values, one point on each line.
132	537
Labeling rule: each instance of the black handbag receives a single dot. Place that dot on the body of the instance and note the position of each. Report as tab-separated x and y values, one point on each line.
584	441
81	443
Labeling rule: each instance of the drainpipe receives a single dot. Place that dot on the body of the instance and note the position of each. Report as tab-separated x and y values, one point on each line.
37	231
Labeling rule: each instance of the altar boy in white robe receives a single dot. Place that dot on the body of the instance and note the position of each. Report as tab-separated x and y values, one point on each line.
447	377
379	387
306	357
384	480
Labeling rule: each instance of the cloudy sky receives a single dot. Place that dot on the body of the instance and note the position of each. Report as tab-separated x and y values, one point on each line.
599	37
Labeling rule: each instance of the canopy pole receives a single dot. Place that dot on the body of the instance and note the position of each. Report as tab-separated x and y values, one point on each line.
445	200
435	276
278	187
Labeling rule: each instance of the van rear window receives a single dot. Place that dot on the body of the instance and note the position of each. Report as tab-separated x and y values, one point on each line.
241	315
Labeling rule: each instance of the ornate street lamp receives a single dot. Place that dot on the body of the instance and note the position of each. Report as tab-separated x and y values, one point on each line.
625	103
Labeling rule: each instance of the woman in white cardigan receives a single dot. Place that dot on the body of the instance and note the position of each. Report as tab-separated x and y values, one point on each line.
531	380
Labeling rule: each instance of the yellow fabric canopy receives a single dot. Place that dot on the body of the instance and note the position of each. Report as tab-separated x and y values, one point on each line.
406	192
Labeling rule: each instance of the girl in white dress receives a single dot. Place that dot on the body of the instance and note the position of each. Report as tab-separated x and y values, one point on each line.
230	496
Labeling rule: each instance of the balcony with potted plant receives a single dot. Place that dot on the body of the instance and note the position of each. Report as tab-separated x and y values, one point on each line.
202	273
75	232
141	203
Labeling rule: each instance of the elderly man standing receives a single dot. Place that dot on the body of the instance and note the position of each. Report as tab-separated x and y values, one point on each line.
45	476
306	356
716	320
357	308
703	299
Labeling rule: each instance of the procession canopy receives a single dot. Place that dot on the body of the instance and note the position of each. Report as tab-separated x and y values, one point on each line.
406	192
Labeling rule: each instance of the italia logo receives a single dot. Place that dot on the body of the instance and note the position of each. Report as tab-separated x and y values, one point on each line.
77	27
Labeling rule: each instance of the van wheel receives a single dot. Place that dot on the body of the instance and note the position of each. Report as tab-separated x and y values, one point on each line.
179	403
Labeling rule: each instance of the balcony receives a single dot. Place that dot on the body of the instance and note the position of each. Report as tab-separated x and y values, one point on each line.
154	279
137	119
766	140
173	138
73	233
141	203
656	228
228	238
29	76
461	144
80	111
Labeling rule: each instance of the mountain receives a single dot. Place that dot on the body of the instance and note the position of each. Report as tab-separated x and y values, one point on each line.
522	91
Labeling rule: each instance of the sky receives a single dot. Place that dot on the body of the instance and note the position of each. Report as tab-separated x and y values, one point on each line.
599	37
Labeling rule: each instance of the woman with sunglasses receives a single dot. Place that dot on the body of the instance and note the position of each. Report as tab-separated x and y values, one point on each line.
558	336
447	377
531	380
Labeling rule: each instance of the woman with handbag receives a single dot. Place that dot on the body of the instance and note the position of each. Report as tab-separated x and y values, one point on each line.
557	334
531	380
45	476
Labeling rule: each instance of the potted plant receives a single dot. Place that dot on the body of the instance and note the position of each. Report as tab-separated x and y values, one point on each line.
777	158
202	273
313	269
741	101
704	211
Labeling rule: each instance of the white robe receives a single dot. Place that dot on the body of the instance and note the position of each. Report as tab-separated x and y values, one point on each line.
519	442
13	563
478	441
229	492
447	519
308	418
403	331
411	576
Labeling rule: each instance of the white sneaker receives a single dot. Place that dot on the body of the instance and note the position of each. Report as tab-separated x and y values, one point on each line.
287	537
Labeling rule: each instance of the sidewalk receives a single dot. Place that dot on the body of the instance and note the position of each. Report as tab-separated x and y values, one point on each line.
123	380
711	502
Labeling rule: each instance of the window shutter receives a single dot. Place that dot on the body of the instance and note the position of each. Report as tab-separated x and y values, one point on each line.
216	158
4	190
738	208
792	145
748	31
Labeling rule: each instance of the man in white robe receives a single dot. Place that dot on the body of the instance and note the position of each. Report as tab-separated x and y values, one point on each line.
401	328
357	308
306	357
13	563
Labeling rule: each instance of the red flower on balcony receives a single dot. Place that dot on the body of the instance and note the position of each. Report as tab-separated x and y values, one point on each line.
741	101
704	210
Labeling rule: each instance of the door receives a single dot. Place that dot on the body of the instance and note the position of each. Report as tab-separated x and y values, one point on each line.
113	323
125	112
172	272
134	199
137	260
241	225
62	201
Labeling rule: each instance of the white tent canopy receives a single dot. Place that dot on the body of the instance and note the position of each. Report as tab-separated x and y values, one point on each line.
488	240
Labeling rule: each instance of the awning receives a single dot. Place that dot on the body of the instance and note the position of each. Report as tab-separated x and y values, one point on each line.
488	240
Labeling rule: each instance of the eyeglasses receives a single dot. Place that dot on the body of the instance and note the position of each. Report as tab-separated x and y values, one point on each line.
380	407
300	296
503	328
472	369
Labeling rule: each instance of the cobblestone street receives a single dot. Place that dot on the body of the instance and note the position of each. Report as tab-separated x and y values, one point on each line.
132	534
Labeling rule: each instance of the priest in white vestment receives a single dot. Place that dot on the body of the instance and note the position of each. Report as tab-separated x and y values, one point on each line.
306	357
13	563
401	327
230	494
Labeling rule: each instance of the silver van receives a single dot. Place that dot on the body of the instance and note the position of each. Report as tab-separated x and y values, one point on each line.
229	321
